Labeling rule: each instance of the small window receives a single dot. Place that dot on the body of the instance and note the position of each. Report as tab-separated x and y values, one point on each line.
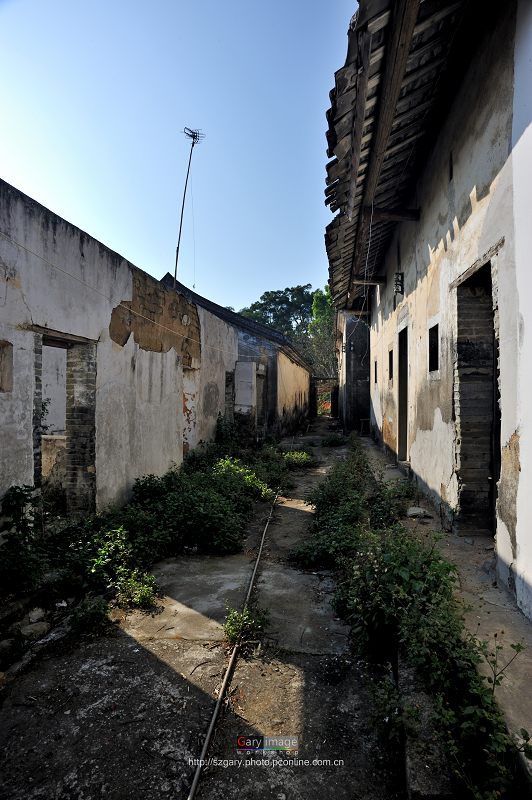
434	349
375	372
390	365
6	367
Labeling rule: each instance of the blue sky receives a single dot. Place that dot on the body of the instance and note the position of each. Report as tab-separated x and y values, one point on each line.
94	96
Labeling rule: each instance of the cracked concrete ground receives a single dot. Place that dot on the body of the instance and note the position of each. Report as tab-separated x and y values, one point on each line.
125	716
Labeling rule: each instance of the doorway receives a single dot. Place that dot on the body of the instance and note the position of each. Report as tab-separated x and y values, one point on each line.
402	376
477	408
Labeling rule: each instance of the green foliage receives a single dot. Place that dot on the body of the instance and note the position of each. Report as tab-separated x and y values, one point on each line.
391	716
22	554
287	310
90	616
396	585
334	440
138	588
388	501
44	413
246	626
306	317
300	459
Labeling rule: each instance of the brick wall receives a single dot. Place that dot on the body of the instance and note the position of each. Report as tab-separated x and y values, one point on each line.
474	404
80	426
37	410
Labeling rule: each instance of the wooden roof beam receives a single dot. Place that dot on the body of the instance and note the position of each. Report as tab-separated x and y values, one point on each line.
405	13
395	214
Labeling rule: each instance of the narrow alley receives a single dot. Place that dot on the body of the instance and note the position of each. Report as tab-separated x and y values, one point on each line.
126	716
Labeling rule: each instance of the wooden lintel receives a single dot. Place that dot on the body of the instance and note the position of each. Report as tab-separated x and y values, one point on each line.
395	214
376	281
404	17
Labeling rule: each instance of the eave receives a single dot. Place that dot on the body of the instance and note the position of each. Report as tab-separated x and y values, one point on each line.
384	106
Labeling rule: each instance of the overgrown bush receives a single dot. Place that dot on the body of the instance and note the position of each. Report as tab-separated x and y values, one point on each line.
204	504
397	588
334	440
90	616
22	553
300	459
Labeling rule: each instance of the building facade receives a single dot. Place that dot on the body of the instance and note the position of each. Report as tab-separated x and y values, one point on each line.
430	249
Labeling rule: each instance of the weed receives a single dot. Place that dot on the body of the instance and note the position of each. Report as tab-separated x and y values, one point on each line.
300	459
246	626
334	440
397	588
138	588
90	616
391	716
22	554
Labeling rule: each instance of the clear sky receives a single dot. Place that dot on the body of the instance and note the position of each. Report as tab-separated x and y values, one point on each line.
94	98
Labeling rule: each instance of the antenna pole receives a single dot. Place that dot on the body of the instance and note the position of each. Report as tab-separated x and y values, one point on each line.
196	138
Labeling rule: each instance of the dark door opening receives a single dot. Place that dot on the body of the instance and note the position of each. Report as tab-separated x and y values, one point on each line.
402	437
477	408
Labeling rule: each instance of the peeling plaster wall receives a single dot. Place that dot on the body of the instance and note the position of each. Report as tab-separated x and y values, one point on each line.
54	388
461	219
517	430
138	416
138	389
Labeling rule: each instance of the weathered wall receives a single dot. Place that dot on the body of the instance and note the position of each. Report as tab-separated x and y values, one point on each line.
124	402
487	202
219	355
514	540
461	219
293	384
54	388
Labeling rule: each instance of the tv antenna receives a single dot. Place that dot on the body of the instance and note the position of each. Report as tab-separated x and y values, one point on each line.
196	137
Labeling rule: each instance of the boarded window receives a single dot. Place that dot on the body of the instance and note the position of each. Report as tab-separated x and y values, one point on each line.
434	349
6	367
390	365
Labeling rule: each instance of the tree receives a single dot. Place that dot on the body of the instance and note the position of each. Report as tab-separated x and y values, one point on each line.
306	317
318	345
288	310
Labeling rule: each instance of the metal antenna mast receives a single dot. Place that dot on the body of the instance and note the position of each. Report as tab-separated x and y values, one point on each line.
195	136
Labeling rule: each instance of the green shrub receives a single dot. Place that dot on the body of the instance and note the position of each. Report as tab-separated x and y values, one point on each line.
334	440
91	616
22	553
300	459
396	587
137	588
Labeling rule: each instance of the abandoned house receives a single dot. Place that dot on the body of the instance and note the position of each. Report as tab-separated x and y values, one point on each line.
430	178
133	373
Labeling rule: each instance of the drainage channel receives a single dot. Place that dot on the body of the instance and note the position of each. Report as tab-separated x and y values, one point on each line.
230	666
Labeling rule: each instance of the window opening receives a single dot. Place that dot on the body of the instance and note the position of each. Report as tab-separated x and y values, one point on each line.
434	349
6	367
390	365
